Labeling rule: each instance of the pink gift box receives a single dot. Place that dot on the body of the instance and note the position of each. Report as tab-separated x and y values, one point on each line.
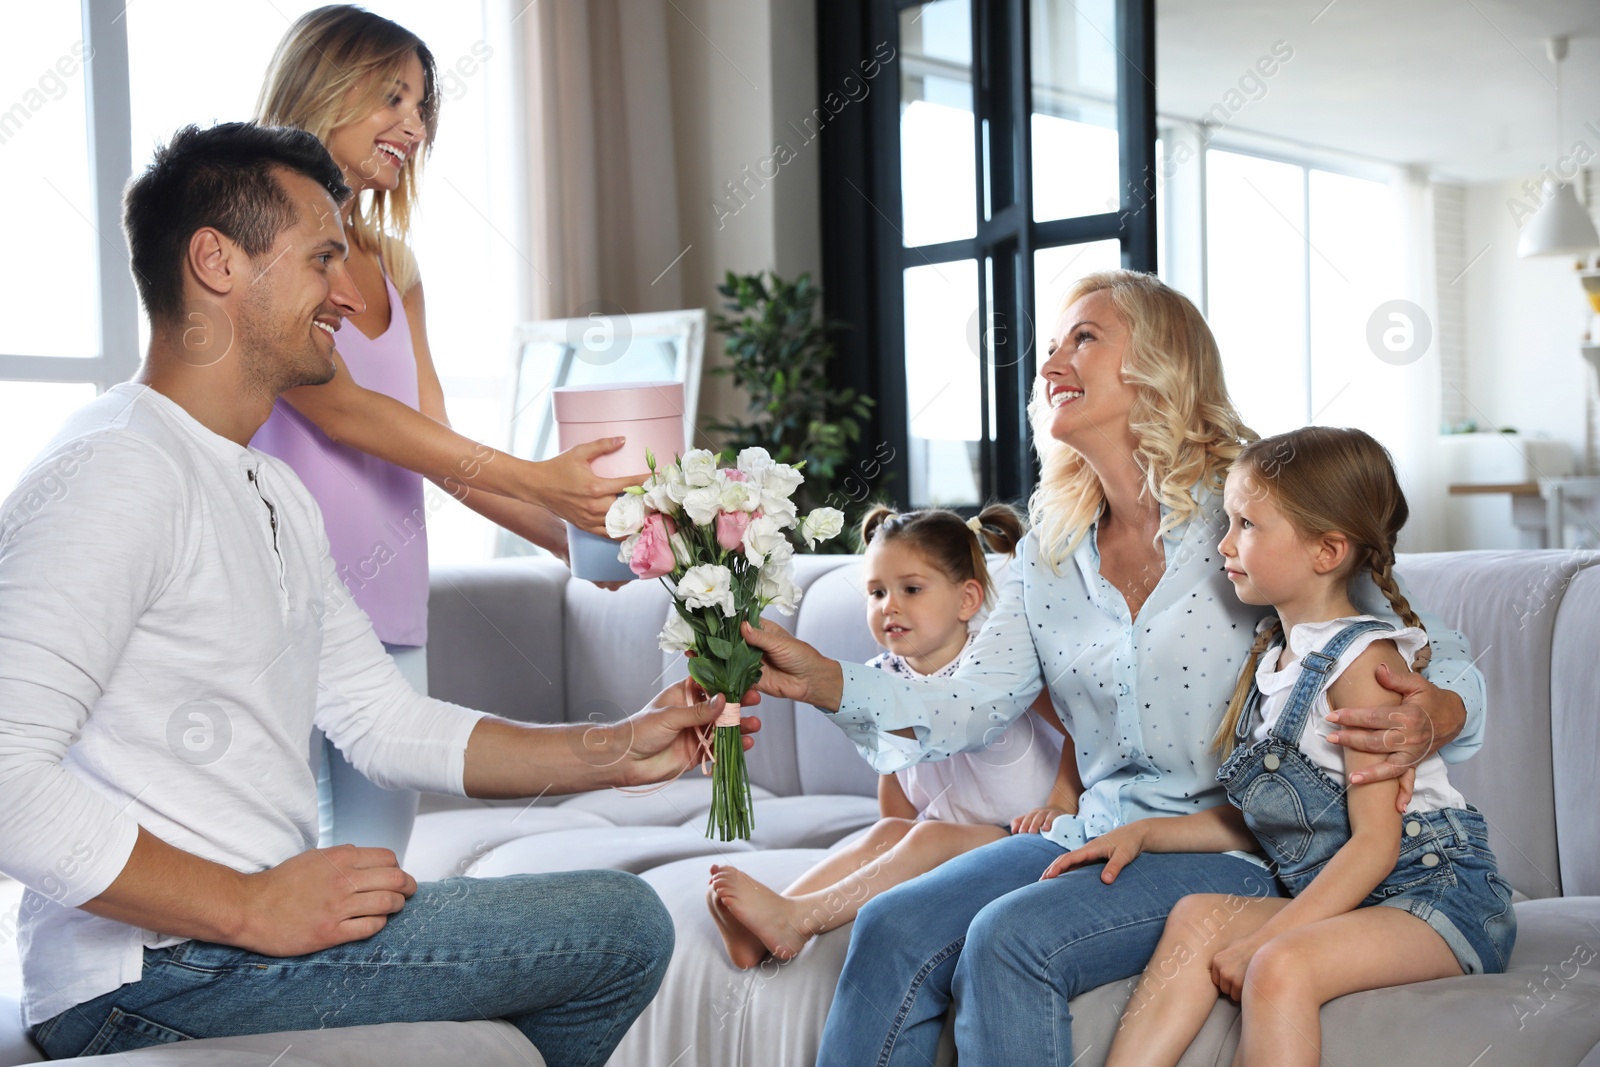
650	416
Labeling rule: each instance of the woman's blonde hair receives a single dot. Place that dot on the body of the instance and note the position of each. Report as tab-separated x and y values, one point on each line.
1327	480
325	53
1187	429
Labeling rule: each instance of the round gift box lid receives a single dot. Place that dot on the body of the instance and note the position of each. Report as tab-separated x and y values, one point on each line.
618	403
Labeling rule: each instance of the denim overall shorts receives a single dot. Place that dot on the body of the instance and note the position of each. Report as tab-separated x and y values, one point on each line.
1446	876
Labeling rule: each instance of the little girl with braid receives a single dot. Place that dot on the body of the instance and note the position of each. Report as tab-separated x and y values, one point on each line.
926	584
1376	898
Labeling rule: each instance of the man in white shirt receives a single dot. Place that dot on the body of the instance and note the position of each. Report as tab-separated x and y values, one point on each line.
172	627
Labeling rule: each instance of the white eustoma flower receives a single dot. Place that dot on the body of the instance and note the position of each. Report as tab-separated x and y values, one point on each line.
626	516
625	553
780	479
677	635
677	486
780	559
762	537
709	585
754	462
702	504
781	508
779	590
699	467
737	496
658	496
820	525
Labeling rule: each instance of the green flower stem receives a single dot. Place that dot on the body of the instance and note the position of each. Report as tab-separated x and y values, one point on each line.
731	815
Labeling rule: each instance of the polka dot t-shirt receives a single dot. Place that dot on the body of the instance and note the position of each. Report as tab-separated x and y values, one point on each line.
1141	698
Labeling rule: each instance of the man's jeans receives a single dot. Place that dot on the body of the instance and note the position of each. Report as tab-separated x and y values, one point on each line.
570	959
982	934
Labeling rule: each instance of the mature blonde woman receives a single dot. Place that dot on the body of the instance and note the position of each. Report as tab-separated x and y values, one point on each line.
363	443
1118	605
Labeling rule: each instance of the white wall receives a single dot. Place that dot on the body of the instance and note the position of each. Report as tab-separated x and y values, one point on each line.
1524	321
741	70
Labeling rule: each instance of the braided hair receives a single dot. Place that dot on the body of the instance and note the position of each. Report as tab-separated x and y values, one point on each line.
1325	480
951	543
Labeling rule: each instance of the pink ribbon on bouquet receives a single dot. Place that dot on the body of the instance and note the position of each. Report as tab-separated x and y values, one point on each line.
728	717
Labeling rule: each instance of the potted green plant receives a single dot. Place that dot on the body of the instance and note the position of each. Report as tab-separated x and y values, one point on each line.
778	348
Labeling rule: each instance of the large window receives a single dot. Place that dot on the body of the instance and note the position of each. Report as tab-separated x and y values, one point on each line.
1294	337
80	128
67	331
1006	150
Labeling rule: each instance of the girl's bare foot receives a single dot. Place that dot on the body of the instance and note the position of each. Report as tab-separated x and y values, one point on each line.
769	916
744	947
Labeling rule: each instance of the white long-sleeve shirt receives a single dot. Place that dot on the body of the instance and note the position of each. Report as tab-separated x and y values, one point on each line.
171	626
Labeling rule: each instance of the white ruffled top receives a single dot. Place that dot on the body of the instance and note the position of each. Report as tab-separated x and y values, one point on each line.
1433	789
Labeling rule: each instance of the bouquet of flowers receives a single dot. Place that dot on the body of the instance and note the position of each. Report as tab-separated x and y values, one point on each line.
717	537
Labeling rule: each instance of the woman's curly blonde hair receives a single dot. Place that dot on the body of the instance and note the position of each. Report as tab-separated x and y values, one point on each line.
1187	429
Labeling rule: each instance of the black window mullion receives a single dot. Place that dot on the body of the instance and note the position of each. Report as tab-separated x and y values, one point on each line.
1019	473
1081	229
1136	129
992	197
893	415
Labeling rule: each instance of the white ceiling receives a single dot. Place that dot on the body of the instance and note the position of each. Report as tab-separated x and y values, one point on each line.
1462	87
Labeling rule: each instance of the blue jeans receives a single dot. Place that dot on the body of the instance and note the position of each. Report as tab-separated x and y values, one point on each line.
1008	950
570	959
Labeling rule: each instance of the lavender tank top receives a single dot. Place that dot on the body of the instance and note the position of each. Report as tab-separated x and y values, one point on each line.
373	509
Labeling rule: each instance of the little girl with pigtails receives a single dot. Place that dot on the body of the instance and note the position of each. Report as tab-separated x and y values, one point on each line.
927	584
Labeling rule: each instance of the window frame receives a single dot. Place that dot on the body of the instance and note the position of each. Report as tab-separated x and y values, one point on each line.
108	128
863	257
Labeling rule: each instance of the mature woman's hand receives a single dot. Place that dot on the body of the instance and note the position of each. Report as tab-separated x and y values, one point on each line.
568	486
1427	719
1116	849
793	669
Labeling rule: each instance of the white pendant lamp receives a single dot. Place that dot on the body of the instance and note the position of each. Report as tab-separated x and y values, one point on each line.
1561	226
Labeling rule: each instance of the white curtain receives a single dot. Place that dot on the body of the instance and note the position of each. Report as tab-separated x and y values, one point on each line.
1413	436
602	192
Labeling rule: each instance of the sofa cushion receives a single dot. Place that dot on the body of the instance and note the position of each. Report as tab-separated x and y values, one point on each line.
448	844
490	1043
1540	1011
15	1048
771	1015
634	849
612	661
672	803
809	822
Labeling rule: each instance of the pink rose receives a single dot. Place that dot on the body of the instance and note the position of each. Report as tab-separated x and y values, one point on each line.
735	475
652	552
730	528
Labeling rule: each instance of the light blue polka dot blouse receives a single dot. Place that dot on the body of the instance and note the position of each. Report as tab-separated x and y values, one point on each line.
1141	699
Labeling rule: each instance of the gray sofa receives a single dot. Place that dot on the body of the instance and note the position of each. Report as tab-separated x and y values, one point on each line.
519	639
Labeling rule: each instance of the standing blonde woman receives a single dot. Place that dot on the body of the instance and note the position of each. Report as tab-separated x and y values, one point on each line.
364	442
1118	605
